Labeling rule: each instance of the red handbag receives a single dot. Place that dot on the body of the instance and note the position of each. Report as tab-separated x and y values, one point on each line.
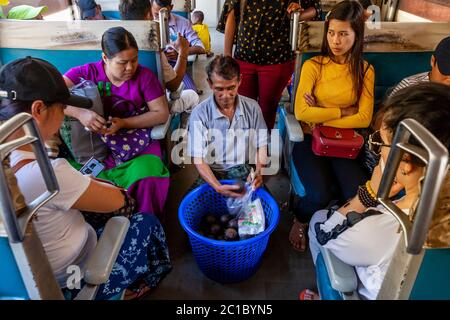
336	142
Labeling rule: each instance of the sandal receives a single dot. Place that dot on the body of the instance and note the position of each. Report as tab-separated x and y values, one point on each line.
297	236
134	294
308	295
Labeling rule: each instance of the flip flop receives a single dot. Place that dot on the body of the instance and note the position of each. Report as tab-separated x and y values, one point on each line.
137	294
308	295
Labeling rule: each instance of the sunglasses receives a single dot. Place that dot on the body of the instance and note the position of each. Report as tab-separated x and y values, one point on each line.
376	143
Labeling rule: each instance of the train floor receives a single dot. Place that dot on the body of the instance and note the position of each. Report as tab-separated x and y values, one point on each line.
283	272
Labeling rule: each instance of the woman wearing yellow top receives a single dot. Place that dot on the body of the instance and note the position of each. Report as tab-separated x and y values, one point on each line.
335	89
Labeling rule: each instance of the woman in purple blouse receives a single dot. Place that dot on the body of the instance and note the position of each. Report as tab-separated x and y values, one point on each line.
133	102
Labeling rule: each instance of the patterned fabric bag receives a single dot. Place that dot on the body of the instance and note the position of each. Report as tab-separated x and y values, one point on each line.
126	144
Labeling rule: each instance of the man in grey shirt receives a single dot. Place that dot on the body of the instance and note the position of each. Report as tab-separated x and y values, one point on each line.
227	131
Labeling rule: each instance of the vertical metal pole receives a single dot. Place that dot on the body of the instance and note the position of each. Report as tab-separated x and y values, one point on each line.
163	28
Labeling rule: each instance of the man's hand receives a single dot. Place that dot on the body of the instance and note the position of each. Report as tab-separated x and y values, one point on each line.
92	120
228	190
116	125
294	7
257	182
171	54
181	45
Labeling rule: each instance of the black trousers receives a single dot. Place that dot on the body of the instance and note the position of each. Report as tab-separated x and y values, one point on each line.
324	178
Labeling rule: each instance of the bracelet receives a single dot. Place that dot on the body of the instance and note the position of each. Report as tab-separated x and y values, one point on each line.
129	206
370	190
366	198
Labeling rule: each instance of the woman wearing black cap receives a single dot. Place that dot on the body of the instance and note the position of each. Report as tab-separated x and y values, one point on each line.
36	87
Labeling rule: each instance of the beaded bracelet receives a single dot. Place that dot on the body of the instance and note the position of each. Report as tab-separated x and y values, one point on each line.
370	190
365	196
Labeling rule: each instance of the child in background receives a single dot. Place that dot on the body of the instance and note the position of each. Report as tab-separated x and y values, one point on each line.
197	18
3	3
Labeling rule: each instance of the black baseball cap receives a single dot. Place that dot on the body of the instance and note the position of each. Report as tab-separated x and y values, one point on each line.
442	54
30	79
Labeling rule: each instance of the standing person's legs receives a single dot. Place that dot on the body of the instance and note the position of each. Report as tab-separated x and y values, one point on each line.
272	81
317	177
350	175
249	80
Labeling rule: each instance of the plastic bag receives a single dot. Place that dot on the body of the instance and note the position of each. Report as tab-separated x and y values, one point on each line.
250	214
83	143
251	221
235	205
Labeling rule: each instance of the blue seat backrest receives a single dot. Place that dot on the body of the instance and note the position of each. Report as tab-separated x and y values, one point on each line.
183	14
66	59
323	281
391	68
111	14
433	278
11	283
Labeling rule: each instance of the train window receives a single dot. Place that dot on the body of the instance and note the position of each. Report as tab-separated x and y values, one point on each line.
57	9
432	10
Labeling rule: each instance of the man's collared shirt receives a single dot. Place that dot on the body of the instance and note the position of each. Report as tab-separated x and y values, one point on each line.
411	81
222	143
184	26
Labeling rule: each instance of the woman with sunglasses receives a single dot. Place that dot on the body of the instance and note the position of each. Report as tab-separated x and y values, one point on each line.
336	90
36	87
369	244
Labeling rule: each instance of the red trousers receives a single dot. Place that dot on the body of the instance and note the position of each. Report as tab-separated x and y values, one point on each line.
265	83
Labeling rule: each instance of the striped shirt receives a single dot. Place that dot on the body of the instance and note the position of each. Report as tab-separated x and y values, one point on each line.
411	81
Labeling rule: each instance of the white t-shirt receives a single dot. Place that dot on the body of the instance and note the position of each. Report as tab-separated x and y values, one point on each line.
66	237
168	72
368	245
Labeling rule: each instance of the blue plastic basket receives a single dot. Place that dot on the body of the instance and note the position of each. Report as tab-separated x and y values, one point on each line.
225	261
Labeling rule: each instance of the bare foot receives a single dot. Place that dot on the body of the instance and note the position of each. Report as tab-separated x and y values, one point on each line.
297	235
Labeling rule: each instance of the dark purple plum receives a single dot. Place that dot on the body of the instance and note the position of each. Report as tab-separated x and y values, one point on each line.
225	218
210	219
215	229
233	223
231	234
